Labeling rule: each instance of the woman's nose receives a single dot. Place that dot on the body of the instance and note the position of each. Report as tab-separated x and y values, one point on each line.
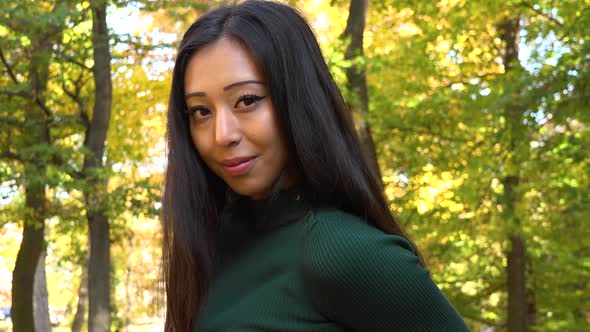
227	128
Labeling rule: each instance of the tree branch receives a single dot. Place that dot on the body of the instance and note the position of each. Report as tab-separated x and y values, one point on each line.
25	94
8	67
9	155
527	5
74	61
83	16
67	168
22	94
44	107
75	96
11	121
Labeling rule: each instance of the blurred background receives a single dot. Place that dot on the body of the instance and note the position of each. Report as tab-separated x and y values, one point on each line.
475	112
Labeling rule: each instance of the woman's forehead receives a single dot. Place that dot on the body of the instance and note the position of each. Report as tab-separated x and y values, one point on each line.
221	63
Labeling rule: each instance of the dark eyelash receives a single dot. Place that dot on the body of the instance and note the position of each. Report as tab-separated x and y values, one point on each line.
193	110
249	97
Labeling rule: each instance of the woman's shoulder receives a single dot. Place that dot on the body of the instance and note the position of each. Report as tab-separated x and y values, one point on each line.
369	280
343	250
336	234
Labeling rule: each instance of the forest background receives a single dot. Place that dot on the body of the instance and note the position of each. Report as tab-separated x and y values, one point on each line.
476	113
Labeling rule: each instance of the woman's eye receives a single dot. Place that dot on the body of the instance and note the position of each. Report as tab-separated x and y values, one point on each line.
199	112
248	100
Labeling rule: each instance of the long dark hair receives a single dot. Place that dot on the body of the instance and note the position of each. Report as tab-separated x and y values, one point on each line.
323	147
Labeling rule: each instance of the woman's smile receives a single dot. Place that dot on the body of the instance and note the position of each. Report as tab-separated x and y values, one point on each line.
238	166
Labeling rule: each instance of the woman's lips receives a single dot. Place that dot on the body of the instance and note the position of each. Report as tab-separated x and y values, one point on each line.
238	166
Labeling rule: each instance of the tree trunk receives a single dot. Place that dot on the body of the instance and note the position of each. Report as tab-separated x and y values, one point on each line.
356	77
26	263
99	264
40	296
517	295
518	298
32	244
81	308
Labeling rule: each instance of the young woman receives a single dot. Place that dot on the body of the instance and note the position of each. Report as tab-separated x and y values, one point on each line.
273	219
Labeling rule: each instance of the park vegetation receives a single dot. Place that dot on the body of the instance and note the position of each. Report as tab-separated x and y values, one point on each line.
474	112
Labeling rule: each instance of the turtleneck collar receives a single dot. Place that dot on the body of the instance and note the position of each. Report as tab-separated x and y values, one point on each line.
280	208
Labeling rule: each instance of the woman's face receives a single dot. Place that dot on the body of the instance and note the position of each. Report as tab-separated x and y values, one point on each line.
233	124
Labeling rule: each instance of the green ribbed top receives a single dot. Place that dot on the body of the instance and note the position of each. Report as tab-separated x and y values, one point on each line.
284	266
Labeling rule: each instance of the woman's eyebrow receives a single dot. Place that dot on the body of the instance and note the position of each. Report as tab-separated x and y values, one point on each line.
233	85
228	87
